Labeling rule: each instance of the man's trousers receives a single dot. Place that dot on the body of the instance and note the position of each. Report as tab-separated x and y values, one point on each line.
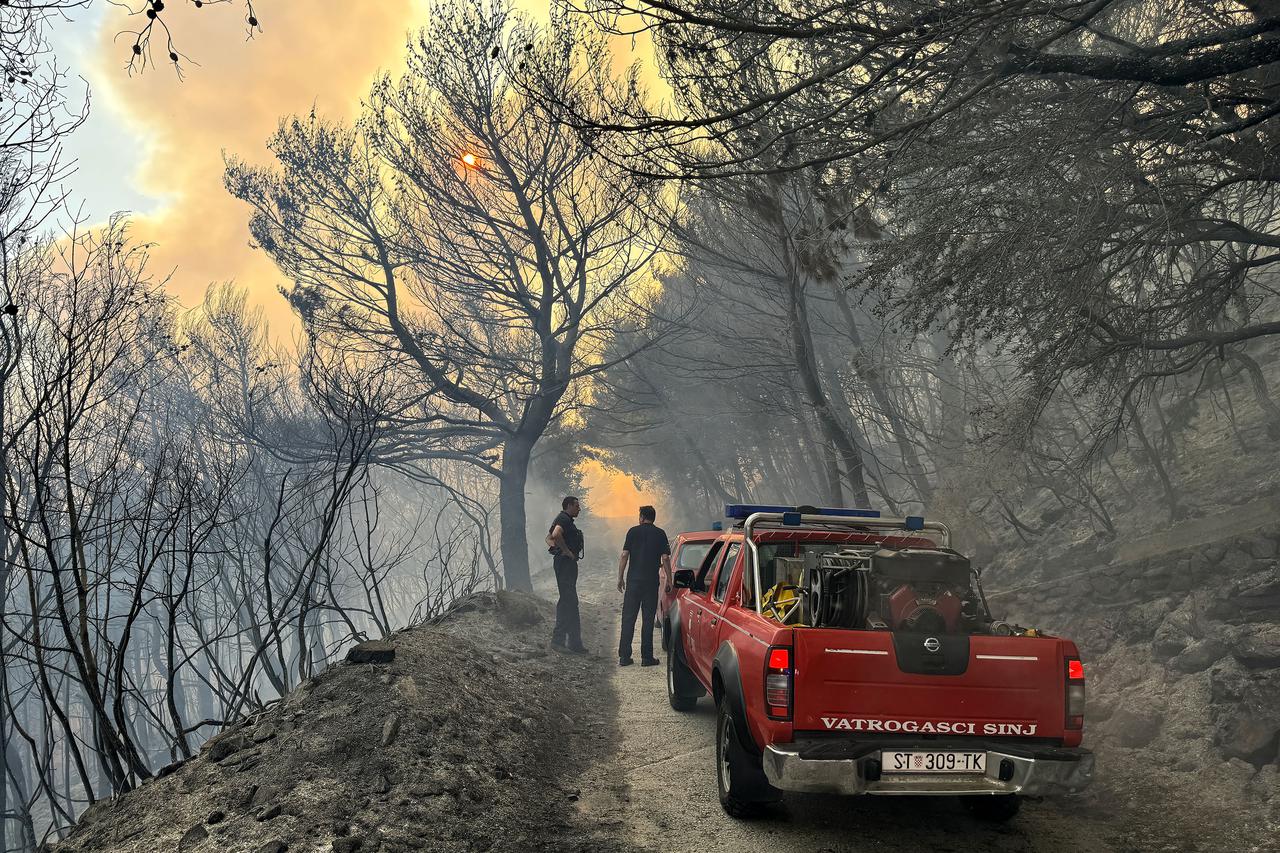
640	598
568	628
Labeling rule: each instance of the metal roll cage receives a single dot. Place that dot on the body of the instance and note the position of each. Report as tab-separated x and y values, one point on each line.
748	528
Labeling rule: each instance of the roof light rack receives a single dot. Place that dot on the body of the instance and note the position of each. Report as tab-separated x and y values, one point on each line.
796	516
741	512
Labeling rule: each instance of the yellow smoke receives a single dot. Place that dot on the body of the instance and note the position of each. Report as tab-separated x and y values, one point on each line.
613	494
321	53
318	53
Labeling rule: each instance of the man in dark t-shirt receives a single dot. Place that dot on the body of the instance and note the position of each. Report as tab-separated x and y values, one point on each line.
645	554
565	543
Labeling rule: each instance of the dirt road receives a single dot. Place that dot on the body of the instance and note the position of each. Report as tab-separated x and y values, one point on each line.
658	792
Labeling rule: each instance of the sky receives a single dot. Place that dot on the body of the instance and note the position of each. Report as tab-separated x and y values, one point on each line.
154	144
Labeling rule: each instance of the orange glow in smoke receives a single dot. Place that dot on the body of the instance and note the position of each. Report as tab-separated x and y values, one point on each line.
613	494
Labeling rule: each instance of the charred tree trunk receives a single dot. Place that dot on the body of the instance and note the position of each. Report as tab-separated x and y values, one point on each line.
806	363
885	401
516	453
1170	493
1270	411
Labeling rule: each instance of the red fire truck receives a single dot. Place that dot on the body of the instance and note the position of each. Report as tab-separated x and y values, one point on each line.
850	653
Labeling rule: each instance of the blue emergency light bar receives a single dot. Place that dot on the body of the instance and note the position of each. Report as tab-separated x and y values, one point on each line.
742	511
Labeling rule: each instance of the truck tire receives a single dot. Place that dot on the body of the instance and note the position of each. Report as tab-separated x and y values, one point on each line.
680	682
997	808
744	789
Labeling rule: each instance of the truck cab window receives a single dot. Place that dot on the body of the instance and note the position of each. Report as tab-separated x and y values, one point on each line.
700	582
692	554
726	570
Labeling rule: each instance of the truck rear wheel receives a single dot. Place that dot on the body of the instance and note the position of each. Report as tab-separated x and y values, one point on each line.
744	789
996	808
680	683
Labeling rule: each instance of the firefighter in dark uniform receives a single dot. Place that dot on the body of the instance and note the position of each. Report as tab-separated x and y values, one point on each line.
565	543
645	560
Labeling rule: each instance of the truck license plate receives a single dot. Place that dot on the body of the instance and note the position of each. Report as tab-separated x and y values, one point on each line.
921	761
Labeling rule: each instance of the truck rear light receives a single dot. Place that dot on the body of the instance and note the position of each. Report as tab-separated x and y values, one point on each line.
777	683
1075	694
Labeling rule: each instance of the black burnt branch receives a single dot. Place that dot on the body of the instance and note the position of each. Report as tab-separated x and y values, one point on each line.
1157	68
156	14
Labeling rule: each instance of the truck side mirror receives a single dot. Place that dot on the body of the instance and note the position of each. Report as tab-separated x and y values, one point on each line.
683	578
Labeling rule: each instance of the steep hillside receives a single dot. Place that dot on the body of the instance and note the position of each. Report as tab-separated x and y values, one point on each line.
1179	624
466	739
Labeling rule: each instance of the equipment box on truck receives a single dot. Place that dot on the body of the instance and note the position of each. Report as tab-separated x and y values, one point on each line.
849	653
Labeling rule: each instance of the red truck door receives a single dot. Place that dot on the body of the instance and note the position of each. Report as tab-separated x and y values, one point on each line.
695	611
709	630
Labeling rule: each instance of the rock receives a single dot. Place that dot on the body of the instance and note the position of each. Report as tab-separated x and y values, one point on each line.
1266	784
247	795
226	745
382	785
347	845
1142	620
1228	683
1134	727
215	817
1175	632
1168	645
1259	547
1098	709
517	610
1258	592
1245	710
1258	645
169	769
1199	656
273	846
239	757
192	837
270	813
1250	738
1235	561
390	729
260	796
372	651
264	733
1215	552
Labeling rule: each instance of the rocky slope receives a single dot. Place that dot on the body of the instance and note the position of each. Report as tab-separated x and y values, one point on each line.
466	739
1180	630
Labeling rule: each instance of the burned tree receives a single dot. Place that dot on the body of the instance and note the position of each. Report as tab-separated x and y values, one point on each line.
464	238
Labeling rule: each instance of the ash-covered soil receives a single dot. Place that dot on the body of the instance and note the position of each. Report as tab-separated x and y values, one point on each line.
472	738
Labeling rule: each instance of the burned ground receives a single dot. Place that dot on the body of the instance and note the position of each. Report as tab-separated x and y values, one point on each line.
472	738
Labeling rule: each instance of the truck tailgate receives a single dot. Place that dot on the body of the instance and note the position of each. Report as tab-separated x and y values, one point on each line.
915	684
